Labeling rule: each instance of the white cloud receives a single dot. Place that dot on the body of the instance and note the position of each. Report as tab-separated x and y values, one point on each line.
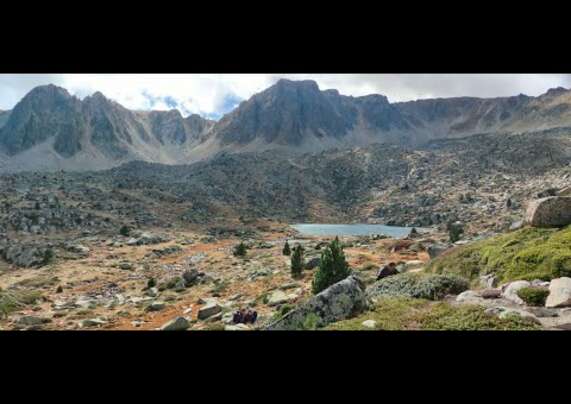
212	94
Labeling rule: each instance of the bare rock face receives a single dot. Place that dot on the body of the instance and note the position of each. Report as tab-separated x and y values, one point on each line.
335	303
552	211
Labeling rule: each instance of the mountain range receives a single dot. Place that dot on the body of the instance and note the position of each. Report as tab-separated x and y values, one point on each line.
49	129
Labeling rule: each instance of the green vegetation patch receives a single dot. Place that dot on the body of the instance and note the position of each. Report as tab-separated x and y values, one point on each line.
418	285
405	313
527	254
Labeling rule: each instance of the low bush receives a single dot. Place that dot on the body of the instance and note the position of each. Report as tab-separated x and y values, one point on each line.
533	296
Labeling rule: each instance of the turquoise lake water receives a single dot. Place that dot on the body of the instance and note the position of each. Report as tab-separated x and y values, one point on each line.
316	229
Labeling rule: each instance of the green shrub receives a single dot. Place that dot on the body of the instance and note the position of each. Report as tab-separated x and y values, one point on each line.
297	261
311	322
49	256
332	268
425	286
151	283
125	231
533	296
455	230
286	250
240	250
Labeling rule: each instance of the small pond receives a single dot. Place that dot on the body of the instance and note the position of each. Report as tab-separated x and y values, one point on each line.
316	229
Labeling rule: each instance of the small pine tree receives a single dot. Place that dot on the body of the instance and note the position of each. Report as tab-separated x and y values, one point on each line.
240	250
151	283
297	261
286	250
455	230
332	268
125	231
49	256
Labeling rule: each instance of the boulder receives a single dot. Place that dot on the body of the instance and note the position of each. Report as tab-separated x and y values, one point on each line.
435	250
78	249
554	211
191	277
488	281
469	297
491	293
559	293
510	291
209	310
176	324
126	265
278	297
32	320
312	263
369	324
338	302
507	312
92	322
156	306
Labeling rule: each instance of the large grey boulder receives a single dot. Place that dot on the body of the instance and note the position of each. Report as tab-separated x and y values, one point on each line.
510	291
339	301
559	293
554	211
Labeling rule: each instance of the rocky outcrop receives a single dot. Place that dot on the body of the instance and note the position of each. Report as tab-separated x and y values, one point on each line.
559	293
340	301
27	255
510	291
554	211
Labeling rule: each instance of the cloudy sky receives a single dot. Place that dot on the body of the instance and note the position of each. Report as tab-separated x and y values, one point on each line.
213	95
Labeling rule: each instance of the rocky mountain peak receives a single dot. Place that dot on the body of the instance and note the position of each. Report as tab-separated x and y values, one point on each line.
302	84
287	113
555	92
